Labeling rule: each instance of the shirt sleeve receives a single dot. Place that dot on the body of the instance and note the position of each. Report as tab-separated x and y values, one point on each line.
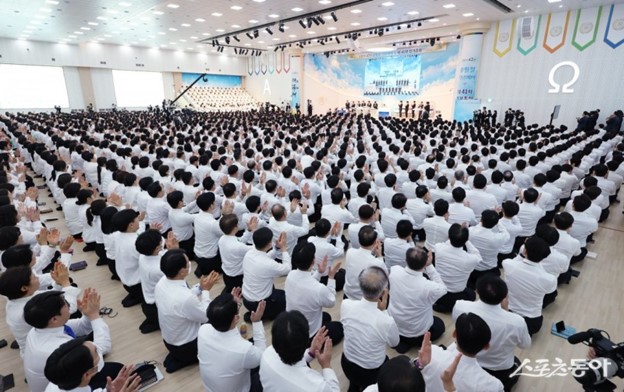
194	308
101	336
254	355
331	381
440	288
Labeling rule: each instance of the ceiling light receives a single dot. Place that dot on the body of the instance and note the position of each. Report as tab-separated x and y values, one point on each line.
297	9
101	18
276	39
387	4
72	36
112	11
205	34
93	23
157	12
325	2
274	16
355	24
78	32
45	10
413	13
216	14
193	37
526	11
292	36
235	26
85	28
331	28
124	4
200	20
161	33
356	11
467	14
334	17
220	30
185	25
172	29
52	2
253	21
311	32
259	1
519	5
260	42
172	5
383	18
448	6
554	1
236	7
434	20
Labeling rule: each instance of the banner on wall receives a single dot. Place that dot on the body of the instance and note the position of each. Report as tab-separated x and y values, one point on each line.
528	44
586	28
295	89
556	31
503	38
467	72
614	34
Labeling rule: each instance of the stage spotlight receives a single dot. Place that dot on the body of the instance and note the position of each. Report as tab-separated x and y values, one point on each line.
281	27
321	42
236	38
214	43
316	22
380	32
283	47
268	30
337	40
320	19
409	26
458	36
235	51
276	48
431	41
309	22
438	39
256	33
227	40
302	23
419	24
249	35
334	17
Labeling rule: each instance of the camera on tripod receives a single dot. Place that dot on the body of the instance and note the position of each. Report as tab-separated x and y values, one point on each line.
595	373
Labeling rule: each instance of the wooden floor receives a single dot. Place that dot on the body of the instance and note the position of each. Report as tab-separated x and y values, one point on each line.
592	300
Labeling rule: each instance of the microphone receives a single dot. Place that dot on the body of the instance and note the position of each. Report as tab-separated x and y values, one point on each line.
583	336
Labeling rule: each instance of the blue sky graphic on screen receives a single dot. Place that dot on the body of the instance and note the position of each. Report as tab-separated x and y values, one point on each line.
429	74
212	80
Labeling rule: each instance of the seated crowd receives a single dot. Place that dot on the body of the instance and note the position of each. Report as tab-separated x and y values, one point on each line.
221	98
404	217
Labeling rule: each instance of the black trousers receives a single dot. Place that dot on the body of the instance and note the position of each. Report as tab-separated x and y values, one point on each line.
549	299
359	378
565	277
581	257
505	256
476	275
437	330
180	356
134	297
340	279
505	375
534	324
151	322
110	369
275	304
207	265
100	251
604	215
518	243
188	246
447	302
112	267
232	282
335	331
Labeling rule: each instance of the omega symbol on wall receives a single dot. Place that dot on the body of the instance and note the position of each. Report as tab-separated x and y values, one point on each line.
566	88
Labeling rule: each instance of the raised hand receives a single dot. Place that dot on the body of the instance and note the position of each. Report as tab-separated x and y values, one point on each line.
424	355
322	267
171	242
60	275
324	355
237	293
66	244
207	282
228	208
89	304
281	242
304	208
43	237
318	340
252	225
334	270
125	381
259	312
336	229
449	373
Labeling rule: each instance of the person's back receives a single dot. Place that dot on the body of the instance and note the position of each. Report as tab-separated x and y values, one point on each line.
356	260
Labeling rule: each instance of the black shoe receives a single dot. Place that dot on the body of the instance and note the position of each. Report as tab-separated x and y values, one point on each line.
14	345
101	262
115	277
198	272
130	301
173	365
59	208
247	317
402	348
146	327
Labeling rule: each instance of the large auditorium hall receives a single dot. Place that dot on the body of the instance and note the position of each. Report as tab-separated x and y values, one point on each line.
311	196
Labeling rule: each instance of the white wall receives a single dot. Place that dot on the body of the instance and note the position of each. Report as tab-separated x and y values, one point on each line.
521	82
103	88
275	87
74	88
168	85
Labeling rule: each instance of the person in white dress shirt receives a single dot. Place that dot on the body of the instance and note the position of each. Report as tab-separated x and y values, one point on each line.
413	296
306	294
157	209
227	361
584	224
472	336
207	234
442	190
393	214
181	310
359	198
487	237
368	217
479	198
420	208
48	314
528	283
285	365
567	244
437	227
328	243
508	329
458	211
182	222
279	224
75	363
259	271
356	260
337	211
510	221
395	248
126	255
233	249
369	329
455	260
529	214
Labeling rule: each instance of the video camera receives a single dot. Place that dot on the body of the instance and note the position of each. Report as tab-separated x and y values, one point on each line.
594	374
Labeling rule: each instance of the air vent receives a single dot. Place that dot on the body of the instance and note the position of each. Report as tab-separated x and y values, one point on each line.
502	7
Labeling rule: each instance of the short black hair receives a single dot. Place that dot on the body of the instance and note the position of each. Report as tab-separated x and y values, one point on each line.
440	207
17	255
404	228
290	335
491	289
228	222
221	311
416	258
42	307
205	200
458	235
510	208
122	219
489	218
303	255
148	241
564	220
472	333
398	201
12	281
174	198
366	211
172	262
536	249
66	366
530	195
367	236
262	237
9	236
400	375
322	227
459	194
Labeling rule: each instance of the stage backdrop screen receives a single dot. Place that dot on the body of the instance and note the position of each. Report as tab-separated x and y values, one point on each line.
26	86
399	71
138	89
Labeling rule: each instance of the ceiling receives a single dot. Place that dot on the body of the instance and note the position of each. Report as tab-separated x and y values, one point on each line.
182	24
